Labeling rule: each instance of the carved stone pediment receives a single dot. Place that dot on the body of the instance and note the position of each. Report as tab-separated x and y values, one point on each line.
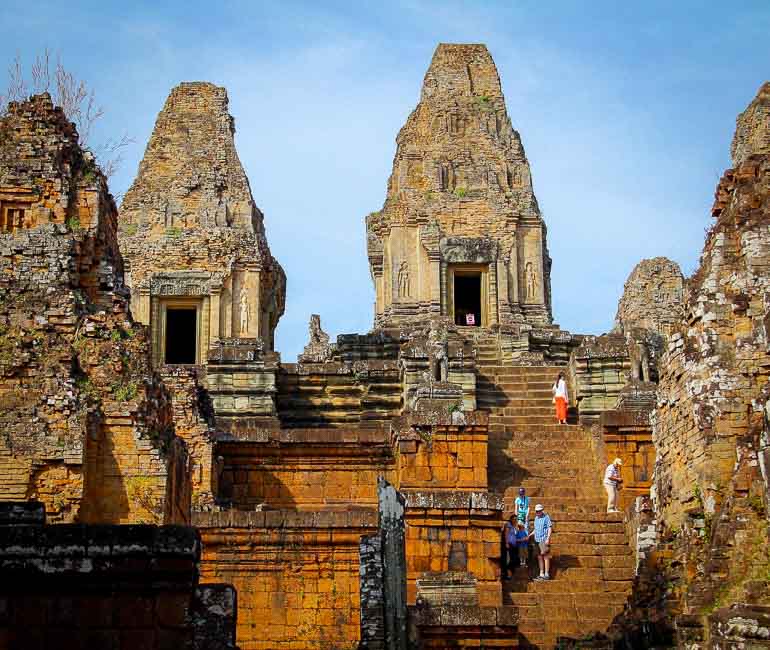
468	250
185	283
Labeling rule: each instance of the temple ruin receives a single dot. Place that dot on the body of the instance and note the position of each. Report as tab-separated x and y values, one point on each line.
354	500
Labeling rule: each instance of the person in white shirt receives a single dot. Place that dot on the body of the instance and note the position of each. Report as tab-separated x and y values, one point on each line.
612	480
560	398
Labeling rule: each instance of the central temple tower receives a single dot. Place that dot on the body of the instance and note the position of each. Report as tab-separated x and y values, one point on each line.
460	234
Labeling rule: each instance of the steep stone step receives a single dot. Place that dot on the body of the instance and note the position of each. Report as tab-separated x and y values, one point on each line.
593	564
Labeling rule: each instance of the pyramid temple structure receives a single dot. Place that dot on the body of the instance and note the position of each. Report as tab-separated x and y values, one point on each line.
167	479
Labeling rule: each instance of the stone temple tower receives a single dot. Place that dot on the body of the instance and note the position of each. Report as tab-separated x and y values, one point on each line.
460	234
193	240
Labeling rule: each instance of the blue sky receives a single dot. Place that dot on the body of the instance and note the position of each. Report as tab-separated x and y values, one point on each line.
626	112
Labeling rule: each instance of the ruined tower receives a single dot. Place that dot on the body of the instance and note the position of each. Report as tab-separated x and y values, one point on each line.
197	259
460	234
75	377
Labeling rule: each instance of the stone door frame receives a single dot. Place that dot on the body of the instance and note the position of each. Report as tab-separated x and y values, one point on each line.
461	269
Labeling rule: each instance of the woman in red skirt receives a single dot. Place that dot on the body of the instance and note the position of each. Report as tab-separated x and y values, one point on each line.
560	398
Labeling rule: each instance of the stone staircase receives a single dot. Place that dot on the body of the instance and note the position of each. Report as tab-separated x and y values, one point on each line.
592	566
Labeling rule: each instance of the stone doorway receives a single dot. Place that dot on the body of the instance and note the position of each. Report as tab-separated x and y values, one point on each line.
181	336
468	297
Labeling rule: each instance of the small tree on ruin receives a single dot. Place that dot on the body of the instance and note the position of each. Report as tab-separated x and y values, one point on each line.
73	95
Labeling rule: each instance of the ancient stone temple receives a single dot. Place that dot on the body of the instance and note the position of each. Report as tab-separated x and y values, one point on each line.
355	500
460	234
197	260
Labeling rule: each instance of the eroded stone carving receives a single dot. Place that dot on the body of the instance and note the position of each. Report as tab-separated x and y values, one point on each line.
318	349
244	312
404	285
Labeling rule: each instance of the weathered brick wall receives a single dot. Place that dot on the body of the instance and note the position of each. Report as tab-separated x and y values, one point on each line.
444	457
296	574
193	417
83	415
454	533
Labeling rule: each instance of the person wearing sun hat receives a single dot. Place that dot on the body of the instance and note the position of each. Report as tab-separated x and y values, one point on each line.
542	535
612	481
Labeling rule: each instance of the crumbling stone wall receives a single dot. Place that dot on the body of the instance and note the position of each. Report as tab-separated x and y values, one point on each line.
120	587
81	414
710	421
296	573
752	133
715	372
652	297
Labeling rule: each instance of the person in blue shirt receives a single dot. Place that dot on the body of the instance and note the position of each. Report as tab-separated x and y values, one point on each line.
521	507
508	558
542	535
522	543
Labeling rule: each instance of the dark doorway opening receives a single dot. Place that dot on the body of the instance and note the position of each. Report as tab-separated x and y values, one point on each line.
181	335
468	299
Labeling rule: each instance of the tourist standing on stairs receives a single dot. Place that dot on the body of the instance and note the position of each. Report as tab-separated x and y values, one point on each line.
509	547
560	398
521	508
612	481
522	543
542	535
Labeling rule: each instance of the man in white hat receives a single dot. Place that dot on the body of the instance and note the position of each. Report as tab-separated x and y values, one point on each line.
542	535
612	482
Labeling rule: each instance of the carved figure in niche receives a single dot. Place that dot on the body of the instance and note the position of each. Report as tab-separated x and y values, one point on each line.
244	312
438	353
517	179
404	283
530	276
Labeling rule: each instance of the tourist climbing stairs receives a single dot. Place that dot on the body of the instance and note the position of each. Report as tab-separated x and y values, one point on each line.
592	567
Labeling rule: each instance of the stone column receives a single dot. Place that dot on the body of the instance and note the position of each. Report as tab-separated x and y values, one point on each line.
141	306
215	316
255	306
492	296
155	330
392	507
503	301
204	330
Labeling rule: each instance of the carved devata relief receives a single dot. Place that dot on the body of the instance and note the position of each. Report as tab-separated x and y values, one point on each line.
404	282
244	310
530	279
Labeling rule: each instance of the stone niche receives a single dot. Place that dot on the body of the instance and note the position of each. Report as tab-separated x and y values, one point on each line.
460	234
